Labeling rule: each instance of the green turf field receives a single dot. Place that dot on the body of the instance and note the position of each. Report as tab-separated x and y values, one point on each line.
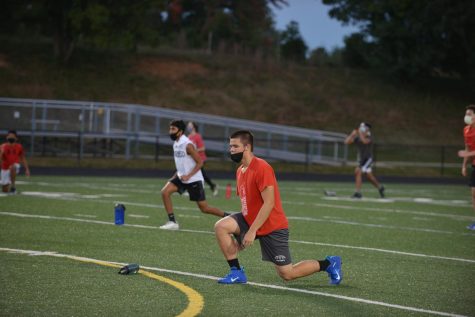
408	255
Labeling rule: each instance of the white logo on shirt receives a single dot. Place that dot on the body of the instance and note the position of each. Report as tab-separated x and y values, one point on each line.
242	195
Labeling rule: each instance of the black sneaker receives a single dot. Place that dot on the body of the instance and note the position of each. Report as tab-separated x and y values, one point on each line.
357	195
13	190
381	191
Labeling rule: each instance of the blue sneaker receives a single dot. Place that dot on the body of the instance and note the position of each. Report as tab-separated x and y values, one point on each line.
235	276
471	227
334	269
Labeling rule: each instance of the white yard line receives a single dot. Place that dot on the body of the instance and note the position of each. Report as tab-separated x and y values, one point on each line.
85	216
420	200
137	216
14	214
375	225
263	285
385	210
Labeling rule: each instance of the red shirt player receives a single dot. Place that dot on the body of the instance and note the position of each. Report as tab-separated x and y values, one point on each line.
11	154
469	153
197	140
262	217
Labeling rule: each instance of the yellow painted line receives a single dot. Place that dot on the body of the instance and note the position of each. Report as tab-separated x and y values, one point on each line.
196	301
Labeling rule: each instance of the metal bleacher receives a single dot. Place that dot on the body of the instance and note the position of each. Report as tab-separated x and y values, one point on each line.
137	124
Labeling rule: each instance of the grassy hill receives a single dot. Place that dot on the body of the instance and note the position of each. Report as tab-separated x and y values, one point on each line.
328	98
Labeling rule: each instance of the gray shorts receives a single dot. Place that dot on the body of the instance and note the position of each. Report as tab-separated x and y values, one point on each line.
274	246
472	177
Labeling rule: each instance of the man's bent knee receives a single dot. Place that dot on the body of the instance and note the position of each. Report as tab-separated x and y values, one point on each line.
227	225
218	226
166	191
221	228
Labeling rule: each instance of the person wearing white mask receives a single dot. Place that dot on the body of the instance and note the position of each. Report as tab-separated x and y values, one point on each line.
361	137
468	154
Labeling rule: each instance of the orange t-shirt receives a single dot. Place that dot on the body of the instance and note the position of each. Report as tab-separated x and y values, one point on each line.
259	175
198	142
469	136
11	154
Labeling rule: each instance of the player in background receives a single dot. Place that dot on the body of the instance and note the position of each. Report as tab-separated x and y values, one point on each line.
262	217
361	137
195	137
469	153
187	177
11	155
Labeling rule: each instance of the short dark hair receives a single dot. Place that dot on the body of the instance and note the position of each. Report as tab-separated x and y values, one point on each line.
180	124
195	126
470	107
245	136
12	132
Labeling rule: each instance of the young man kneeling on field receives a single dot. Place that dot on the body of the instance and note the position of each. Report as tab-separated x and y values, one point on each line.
11	154
262	218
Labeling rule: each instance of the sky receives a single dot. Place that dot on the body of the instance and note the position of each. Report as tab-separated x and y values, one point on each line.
316	26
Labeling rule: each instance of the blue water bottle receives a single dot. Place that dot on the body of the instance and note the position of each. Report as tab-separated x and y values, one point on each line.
119	214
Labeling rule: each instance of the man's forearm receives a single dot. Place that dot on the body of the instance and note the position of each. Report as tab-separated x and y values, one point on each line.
467	154
25	163
195	169
465	160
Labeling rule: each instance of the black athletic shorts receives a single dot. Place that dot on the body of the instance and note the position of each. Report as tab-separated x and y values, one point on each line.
366	165
472	177
195	189
274	246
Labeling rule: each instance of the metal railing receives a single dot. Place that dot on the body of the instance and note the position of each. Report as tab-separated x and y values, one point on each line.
132	125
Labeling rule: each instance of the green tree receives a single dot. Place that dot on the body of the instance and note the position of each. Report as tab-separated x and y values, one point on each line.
245	23
292	45
321	57
97	23
412	38
357	52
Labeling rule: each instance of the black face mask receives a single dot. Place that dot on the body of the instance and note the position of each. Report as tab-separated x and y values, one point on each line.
236	157
11	140
174	136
